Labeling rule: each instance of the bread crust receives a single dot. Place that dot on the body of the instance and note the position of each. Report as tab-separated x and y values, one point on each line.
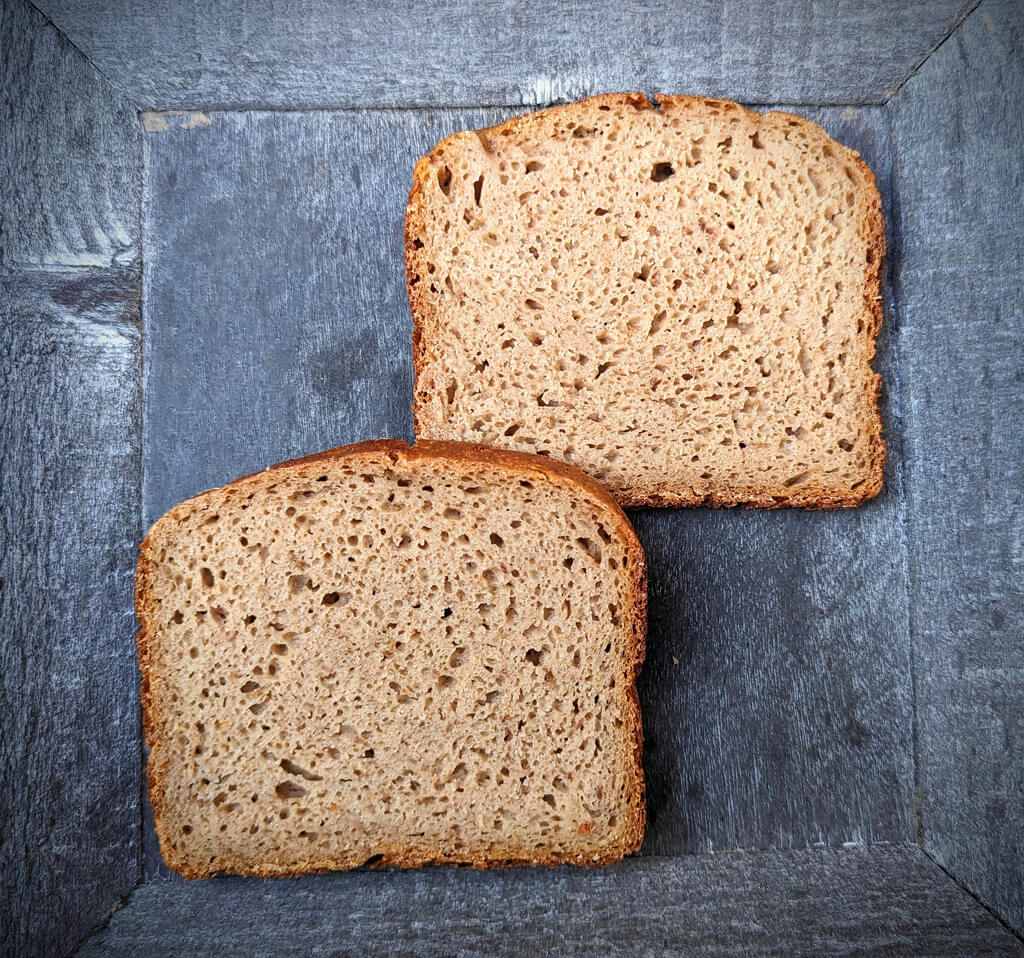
516	464
810	497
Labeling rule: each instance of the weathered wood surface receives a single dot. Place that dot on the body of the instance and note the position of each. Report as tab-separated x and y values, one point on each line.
275	313
70	842
777	695
70	152
871	900
70	422
191	54
959	138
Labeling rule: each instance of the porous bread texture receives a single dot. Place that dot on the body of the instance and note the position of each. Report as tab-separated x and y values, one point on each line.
681	301
394	656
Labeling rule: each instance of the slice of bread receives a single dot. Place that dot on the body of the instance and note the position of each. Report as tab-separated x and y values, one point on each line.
681	301
394	656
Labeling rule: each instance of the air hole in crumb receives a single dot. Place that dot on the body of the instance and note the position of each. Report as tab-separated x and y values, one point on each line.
292	769
478	189
534	657
457	657
444	180
289	790
662	171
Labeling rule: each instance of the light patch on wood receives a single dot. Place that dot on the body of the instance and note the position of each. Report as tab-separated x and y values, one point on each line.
161	122
155	122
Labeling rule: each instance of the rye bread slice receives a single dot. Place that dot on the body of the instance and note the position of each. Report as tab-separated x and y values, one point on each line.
682	301
394	655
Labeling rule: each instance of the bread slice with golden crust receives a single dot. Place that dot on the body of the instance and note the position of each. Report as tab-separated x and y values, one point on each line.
681	300
394	655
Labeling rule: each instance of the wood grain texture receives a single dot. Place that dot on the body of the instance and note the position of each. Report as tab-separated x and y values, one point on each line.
776	692
316	53
294	335
70	842
274	303
787	720
70	152
871	900
959	138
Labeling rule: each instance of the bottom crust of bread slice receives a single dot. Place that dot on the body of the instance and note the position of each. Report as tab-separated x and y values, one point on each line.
394	655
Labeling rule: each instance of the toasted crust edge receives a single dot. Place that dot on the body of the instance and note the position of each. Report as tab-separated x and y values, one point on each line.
515	463
771	498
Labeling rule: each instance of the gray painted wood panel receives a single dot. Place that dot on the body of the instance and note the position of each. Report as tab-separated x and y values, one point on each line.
70	152
274	286
959	138
872	900
70	842
275	314
317	53
777	695
777	687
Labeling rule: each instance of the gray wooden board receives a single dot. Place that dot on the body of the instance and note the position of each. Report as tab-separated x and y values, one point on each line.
70	155
959	138
274	300
276	325
776	693
70	841
872	900
190	54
